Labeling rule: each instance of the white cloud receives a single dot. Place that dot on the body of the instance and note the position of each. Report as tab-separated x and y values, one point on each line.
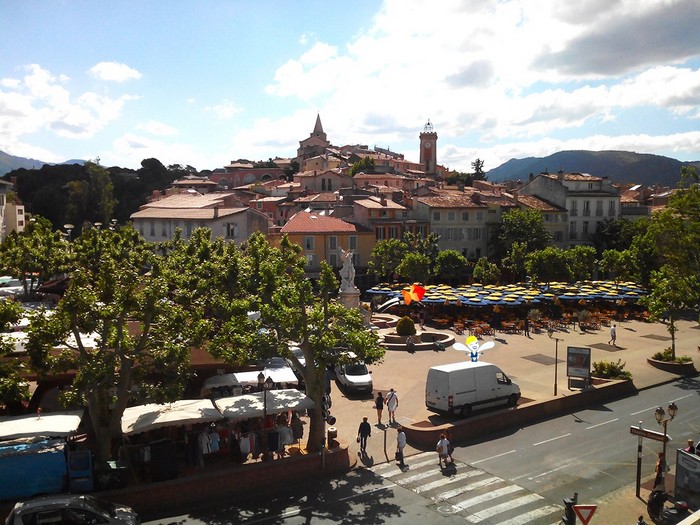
114	72
225	110
157	128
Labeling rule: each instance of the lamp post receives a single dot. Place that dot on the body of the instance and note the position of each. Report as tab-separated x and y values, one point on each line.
69	229
661	419
550	331
265	385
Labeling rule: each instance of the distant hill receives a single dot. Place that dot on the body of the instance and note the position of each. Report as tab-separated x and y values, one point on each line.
10	162
618	166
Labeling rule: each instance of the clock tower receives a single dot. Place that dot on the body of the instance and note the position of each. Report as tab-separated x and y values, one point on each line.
428	145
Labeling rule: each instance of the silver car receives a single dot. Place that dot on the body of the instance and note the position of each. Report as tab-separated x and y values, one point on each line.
76	509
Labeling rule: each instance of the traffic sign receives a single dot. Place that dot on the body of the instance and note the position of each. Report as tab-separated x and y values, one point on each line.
585	512
656	436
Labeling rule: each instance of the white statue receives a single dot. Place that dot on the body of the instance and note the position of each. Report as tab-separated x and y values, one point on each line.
347	272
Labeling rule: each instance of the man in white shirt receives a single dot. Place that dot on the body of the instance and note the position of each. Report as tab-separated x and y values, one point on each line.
400	445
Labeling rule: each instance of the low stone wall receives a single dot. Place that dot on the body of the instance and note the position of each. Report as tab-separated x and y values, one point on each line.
149	499
423	341
681	369
425	435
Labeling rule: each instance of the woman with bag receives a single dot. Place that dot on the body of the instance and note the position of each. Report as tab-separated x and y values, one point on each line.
379	405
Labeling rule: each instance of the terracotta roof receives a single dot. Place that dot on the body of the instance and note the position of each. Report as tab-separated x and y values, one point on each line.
539	204
574	177
375	203
189	200
203	214
451	200
318	197
311	222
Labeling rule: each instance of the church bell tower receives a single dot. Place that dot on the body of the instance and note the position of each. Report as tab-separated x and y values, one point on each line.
428	147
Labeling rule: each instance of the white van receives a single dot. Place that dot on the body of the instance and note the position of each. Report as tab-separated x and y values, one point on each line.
462	387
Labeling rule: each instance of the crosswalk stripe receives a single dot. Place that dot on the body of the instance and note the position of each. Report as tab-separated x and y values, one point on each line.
526	518
466	488
509	505
442	482
390	465
419	476
509	489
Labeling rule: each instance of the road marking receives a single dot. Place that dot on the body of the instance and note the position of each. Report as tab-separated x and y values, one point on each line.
466	488
418	477
604	423
462	505
447	481
643	410
512	504
528	517
492	457
550	440
391	465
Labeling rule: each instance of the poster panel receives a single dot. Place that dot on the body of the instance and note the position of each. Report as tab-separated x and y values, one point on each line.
578	362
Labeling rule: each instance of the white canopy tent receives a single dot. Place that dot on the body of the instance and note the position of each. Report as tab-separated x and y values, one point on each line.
220	380
55	424
143	418
278	375
253	405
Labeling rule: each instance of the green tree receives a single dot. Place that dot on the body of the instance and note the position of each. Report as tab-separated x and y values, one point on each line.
520	226
415	267
616	233
550	264
123	295
486	272
13	387
385	258
366	165
581	262
425	245
452	267
35	254
514	262
478	167
619	265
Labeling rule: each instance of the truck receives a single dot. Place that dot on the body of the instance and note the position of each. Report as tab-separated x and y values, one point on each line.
459	388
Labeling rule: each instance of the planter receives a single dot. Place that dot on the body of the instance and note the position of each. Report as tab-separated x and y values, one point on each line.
681	369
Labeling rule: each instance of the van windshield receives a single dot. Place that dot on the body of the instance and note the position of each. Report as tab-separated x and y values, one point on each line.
356	370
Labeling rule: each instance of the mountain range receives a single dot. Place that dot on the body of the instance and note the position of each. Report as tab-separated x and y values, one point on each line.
618	166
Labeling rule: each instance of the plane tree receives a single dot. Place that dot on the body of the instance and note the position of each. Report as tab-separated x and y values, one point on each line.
123	328
14	389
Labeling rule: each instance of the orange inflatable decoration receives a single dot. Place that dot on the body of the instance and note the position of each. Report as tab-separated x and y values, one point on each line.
414	293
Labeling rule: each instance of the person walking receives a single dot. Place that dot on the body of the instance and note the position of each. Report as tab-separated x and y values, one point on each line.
379	405
400	445
392	403
613	335
450	446
363	432
690	447
442	450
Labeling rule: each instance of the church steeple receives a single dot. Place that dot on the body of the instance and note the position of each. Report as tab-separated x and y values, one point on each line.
318	128
428	149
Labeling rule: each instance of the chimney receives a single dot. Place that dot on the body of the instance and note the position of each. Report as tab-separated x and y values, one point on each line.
382	200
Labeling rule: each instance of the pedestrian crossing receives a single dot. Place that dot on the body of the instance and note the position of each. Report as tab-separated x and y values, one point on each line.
474	494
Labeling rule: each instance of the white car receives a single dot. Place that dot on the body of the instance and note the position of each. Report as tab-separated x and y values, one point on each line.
11	288
354	377
71	508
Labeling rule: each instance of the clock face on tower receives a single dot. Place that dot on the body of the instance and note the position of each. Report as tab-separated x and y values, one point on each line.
428	145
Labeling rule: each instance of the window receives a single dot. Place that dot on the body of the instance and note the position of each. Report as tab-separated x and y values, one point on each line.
332	242
480	216
465	216
310	259
393	232
258	205
558	236
574	208
599	208
586	208
152	228
188	228
585	228
309	243
436	215
231	230
477	234
323	184
450	216
20	211
330	185
383	213
333	260
164	229
572	230
611	209
353	242
379	233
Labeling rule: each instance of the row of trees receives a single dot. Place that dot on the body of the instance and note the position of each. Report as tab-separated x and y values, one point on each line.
150	305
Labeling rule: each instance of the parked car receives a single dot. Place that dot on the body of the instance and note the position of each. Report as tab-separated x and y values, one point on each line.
76	509
11	287
354	377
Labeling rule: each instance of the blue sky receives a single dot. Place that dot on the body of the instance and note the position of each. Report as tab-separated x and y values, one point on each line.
206	82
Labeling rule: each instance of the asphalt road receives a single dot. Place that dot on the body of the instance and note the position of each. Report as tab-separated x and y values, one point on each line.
515	478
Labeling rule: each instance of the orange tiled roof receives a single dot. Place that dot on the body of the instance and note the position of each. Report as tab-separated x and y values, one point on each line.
375	203
311	222
202	214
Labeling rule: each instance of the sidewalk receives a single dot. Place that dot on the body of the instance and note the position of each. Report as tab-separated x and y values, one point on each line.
529	361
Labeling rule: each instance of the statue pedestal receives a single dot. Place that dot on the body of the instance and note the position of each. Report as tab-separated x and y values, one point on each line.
349	297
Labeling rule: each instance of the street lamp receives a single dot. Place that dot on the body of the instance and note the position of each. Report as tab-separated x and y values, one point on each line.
265	385
661	419
550	331
69	229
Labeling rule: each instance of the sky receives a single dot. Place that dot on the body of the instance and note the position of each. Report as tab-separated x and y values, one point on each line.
205	82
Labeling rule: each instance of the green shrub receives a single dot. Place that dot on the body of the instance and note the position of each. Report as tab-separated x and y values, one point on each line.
610	370
405	326
667	357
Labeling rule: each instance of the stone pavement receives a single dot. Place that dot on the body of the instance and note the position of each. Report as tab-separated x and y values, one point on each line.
529	361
